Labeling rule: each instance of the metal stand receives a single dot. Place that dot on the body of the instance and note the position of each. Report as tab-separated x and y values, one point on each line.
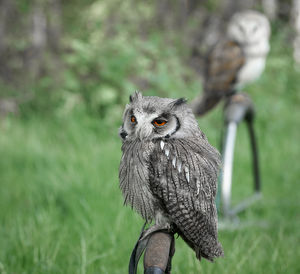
159	249
158	254
238	108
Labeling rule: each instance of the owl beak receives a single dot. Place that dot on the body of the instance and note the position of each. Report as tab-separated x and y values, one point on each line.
143	132
123	135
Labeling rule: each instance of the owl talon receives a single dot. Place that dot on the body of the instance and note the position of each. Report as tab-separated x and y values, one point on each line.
153	229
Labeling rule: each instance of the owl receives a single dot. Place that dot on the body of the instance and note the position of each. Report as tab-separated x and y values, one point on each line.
168	171
238	59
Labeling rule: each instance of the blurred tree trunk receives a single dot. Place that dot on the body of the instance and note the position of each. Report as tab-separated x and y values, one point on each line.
55	24
55	27
270	8
175	13
284	9
38	38
229	7
46	31
162	7
5	7
182	11
185	8
4	10
296	24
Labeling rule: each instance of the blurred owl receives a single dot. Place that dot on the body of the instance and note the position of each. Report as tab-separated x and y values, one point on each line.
236	60
168	171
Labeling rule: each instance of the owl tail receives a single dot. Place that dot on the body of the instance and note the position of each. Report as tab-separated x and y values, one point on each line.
209	249
201	105
211	252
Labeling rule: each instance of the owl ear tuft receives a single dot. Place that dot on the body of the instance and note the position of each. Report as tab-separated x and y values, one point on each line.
135	96
178	102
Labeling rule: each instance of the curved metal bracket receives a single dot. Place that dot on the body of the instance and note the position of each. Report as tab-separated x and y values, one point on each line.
238	107
159	247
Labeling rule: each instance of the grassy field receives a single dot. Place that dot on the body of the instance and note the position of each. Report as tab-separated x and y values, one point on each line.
61	209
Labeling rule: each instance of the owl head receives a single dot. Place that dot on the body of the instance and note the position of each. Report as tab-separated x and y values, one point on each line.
151	117
249	27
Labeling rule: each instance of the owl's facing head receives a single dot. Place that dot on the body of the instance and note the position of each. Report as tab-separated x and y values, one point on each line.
249	27
151	117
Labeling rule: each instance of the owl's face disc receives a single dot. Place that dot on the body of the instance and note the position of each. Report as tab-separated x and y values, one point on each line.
151	117
249	27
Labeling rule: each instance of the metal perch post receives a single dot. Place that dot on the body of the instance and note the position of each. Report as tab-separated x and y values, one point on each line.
239	107
157	254
160	248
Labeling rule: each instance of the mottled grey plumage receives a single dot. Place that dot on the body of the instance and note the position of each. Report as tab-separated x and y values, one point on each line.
168	171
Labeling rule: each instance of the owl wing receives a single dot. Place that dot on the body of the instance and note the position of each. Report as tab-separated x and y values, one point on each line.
184	178
134	177
222	66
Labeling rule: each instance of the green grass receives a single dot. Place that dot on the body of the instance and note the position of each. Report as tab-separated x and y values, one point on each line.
61	209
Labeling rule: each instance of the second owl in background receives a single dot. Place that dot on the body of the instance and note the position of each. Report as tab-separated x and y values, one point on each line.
236	60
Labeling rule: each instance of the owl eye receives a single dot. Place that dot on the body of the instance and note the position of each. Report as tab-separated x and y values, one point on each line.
133	119
159	122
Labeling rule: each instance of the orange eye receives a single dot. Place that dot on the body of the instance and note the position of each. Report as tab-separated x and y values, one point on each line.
133	119
159	123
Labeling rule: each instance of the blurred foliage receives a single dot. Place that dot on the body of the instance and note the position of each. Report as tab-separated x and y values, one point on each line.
75	56
110	52
117	55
